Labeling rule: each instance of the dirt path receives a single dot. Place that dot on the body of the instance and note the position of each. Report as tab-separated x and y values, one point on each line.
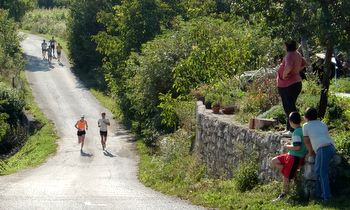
70	179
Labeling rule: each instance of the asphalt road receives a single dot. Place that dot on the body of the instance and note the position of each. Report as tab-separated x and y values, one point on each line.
70	179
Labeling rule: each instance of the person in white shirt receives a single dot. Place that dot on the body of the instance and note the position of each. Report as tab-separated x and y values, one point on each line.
44	49
319	143
103	123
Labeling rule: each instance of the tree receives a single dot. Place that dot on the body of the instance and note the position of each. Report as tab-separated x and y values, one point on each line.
53	3
331	31
17	8
82	27
11	60
11	63
324	22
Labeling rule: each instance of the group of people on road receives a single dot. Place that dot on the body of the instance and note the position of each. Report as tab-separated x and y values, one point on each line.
49	49
82	126
312	139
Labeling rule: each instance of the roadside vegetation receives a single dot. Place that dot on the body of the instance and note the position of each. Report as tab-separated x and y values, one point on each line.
18	150
38	147
153	56
145	60
51	22
341	85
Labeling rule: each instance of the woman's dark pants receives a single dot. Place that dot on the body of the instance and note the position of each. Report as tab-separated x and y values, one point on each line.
289	96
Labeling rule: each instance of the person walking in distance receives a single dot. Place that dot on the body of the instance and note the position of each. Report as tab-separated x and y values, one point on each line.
103	123
49	54
82	127
44	49
52	46
58	51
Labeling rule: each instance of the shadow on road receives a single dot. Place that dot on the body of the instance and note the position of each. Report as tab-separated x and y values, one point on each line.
124	134
108	154
84	154
37	64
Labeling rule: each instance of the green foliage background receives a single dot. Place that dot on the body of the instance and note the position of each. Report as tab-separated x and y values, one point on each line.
47	21
18	8
11	63
148	55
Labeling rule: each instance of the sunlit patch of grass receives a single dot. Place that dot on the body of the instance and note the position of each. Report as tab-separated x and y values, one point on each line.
107	102
341	85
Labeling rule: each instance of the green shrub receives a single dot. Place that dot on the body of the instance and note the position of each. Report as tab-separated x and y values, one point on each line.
226	92
246	177
11	102
275	112
310	94
261	96
172	168
341	85
168	110
4	126
342	141
11	59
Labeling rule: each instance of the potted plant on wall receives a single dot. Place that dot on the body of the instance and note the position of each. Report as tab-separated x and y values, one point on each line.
228	106
216	99
213	97
216	107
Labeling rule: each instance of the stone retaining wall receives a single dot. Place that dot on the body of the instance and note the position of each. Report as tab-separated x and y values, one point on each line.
223	144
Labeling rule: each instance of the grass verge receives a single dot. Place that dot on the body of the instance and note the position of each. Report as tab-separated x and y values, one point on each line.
107	102
172	170
341	85
38	146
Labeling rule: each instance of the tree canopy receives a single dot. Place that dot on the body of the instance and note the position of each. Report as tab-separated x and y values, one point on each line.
17	8
150	48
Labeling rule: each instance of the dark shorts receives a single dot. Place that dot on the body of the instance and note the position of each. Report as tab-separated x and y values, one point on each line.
291	164
103	133
80	133
58	53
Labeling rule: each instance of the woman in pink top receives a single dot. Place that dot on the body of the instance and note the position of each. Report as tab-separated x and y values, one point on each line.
289	80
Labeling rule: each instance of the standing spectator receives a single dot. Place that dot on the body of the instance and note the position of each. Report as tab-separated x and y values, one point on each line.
317	139
289	80
290	162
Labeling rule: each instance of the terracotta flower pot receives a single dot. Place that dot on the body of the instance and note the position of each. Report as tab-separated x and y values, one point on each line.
228	110
216	108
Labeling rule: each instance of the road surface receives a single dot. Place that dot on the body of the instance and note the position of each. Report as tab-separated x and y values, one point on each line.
72	180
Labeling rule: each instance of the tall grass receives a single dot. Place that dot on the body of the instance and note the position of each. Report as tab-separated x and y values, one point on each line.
47	21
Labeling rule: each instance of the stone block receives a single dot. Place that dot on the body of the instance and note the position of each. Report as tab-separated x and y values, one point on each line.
258	123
